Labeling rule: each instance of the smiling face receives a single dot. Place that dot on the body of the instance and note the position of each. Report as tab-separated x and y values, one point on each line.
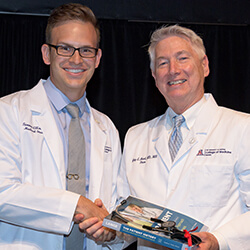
71	74
179	72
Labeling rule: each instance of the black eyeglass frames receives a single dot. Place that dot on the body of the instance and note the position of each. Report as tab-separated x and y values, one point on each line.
68	51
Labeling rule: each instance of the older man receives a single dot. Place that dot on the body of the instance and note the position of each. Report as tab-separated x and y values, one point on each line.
194	158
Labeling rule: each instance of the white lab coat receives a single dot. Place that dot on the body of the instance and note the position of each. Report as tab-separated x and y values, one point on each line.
210	177
35	209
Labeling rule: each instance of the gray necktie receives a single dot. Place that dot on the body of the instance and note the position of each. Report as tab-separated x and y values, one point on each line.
176	140
76	170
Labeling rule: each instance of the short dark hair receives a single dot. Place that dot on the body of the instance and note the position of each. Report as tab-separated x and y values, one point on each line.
71	12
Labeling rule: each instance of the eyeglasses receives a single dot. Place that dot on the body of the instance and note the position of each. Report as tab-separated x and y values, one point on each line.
68	51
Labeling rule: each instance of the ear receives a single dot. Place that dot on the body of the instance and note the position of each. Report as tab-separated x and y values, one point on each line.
98	58
153	74
205	65
46	54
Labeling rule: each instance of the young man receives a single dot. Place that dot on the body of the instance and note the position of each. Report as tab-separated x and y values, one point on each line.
37	211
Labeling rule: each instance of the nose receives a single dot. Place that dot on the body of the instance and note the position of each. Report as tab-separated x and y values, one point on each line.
76	58
174	67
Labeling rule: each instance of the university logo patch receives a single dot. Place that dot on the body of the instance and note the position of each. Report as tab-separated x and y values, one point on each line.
212	151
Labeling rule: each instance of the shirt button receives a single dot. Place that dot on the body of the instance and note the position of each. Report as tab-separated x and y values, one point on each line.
192	140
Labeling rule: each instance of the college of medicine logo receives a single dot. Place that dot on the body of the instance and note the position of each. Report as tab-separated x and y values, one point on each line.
212	151
200	152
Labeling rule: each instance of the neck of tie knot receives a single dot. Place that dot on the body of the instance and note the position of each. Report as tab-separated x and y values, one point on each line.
73	110
175	140
178	120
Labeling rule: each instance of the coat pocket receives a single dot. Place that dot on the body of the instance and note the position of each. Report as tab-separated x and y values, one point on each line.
210	185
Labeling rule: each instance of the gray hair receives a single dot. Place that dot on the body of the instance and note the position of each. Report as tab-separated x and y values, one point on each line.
174	30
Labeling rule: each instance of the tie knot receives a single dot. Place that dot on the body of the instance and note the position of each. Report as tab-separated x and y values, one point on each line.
178	120
73	110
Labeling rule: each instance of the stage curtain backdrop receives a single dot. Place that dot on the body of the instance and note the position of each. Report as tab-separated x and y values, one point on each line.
122	86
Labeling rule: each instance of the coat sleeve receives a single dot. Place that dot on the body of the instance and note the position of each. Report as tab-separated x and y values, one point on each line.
236	233
123	188
116	163
24	203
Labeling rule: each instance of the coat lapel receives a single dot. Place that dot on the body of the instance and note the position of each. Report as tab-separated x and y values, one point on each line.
42	113
199	131
196	135
160	141
97	161
161	146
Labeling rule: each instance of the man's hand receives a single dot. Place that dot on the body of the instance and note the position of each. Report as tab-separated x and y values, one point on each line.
209	242
93	226
78	218
88	209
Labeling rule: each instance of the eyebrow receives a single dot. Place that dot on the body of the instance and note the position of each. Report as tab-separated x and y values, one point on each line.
70	45
161	58
183	52
176	54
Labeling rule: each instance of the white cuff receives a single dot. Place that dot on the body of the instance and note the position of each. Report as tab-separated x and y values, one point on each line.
221	240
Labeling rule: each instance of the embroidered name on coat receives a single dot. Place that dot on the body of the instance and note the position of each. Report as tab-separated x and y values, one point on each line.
33	129
143	160
107	149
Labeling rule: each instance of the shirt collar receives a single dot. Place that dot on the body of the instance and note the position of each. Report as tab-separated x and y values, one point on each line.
60	101
190	114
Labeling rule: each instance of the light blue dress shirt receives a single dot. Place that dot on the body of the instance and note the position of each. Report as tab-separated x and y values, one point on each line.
58	102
